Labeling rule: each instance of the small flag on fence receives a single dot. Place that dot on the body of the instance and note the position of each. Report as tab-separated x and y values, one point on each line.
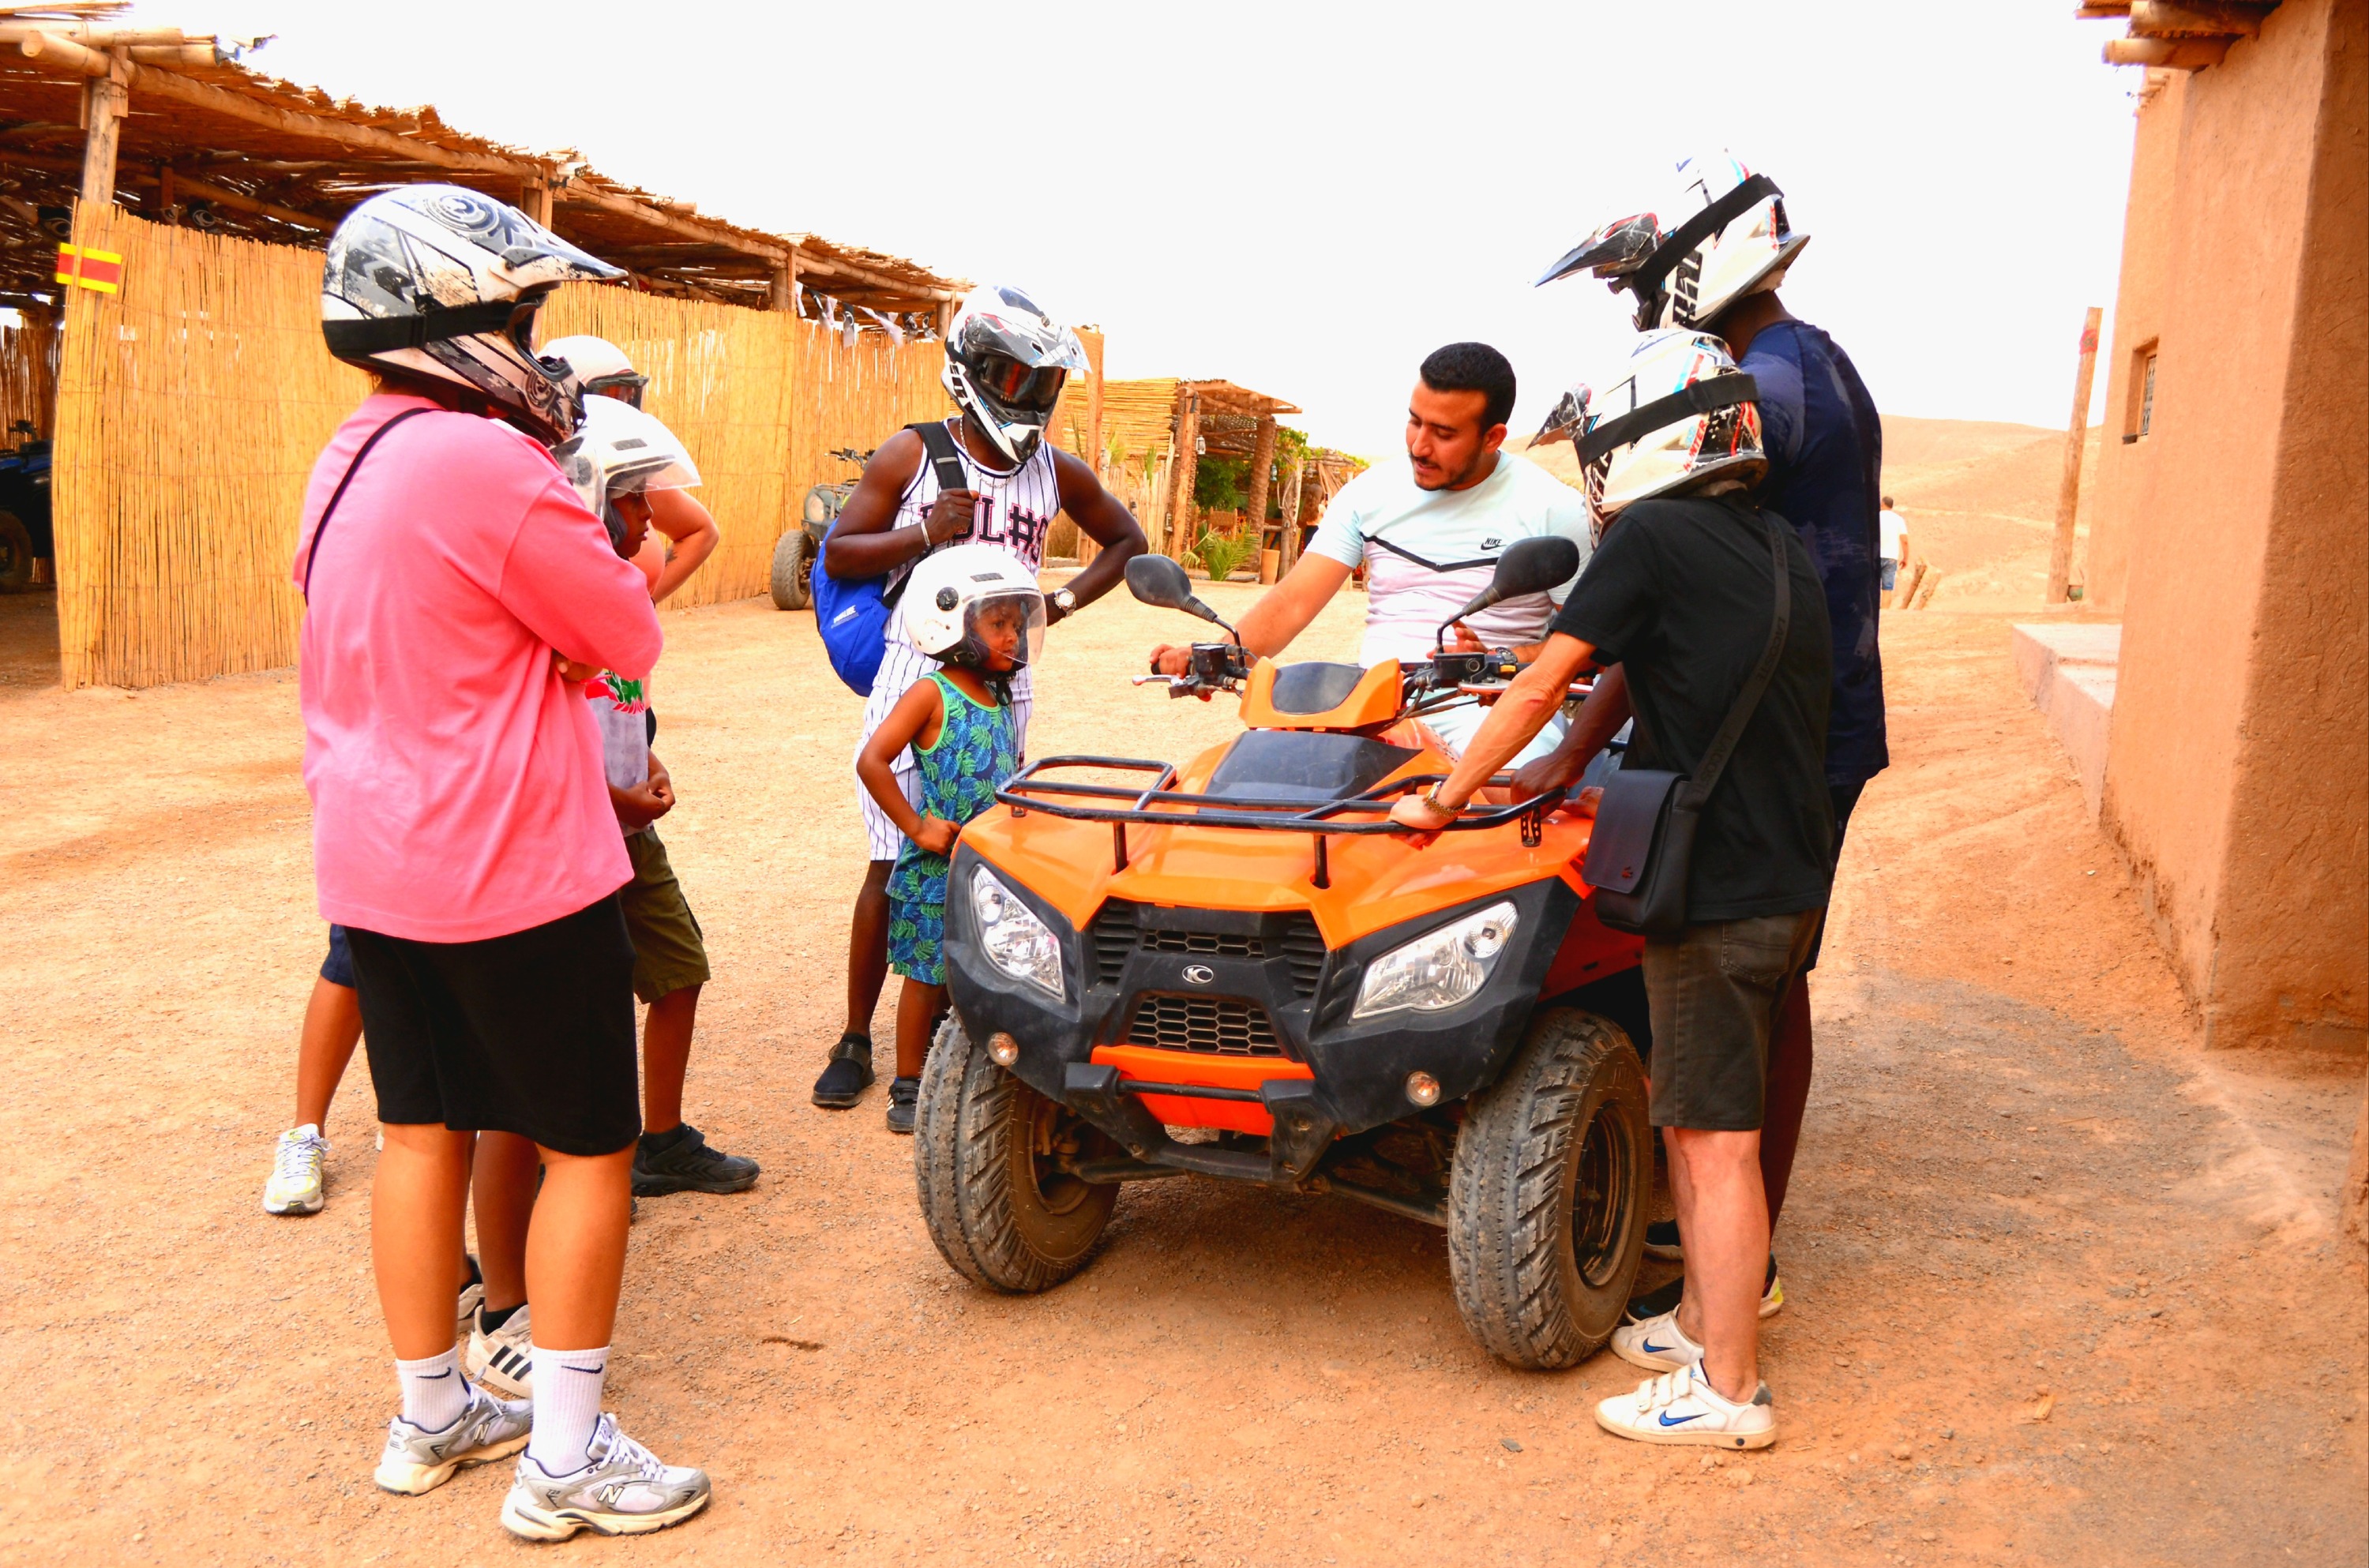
80	267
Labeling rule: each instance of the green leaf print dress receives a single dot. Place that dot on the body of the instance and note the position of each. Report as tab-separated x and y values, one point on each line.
975	752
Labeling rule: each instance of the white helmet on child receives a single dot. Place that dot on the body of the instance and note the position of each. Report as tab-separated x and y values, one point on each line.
600	365
1675	414
1005	362
620	451
1723	236
948	592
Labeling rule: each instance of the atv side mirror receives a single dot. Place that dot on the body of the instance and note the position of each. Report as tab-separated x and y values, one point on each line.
1528	567
1159	581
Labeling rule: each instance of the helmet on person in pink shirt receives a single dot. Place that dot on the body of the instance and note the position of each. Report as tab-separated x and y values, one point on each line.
441	282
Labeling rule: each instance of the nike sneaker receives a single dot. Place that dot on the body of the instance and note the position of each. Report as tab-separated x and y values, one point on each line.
415	1461
498	1357
1681	1407
295	1185
1658	1345
623	1490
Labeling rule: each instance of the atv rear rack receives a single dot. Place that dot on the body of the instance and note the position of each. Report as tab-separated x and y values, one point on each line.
1160	807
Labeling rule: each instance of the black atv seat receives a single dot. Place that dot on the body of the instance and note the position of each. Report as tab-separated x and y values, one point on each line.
1314	686
1302	764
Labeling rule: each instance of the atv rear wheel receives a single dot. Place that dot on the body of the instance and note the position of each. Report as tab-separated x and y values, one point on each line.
985	1152
16	554
792	581
1546	1206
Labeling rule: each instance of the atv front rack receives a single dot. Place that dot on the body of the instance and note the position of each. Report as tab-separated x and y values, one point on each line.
1367	812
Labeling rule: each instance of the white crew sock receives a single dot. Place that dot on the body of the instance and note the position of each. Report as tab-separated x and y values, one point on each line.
434	1392
568	1386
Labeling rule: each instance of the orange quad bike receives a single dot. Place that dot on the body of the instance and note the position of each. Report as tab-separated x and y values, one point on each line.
1239	970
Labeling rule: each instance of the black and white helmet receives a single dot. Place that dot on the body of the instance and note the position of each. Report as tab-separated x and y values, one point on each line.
1724	235
1005	362
439	280
600	365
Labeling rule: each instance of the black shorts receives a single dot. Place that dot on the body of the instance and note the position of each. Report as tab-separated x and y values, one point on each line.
1715	992
531	1033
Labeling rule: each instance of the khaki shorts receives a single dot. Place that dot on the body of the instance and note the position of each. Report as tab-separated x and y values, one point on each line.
668	952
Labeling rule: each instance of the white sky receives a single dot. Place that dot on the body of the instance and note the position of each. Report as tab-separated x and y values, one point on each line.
1305	198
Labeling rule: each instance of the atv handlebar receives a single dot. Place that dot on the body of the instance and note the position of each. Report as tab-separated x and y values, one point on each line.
1160	806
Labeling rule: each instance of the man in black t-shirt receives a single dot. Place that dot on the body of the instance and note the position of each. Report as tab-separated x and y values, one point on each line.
1681	592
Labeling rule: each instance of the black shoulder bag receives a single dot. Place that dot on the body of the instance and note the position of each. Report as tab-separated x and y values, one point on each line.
1643	847
313	551
938	447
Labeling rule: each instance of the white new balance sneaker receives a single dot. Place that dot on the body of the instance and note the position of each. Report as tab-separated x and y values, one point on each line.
296	1183
499	1360
624	1491
415	1461
1682	1407
1658	1345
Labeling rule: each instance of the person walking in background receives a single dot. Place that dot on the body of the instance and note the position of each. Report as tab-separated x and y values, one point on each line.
1006	361
1711	605
1891	544
976	610
462	834
1713	261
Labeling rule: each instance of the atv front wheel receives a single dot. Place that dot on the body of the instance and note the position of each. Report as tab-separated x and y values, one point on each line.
1546	1206
793	580
985	1159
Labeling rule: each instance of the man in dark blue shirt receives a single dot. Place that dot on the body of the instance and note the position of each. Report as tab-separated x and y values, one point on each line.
1714	265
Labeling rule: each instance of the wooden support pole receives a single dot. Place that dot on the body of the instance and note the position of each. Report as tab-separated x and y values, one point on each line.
785	283
2077	437
535	200
2194	18
103	100
1262	460
1186	470
2171	54
1291	477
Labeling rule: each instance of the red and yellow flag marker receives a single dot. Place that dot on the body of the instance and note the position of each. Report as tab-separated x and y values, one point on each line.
82	266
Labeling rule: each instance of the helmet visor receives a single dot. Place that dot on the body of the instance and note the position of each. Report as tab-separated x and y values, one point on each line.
1006	630
1031	388
625	387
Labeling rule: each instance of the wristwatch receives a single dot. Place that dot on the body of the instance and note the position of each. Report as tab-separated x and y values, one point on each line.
1431	798
1065	602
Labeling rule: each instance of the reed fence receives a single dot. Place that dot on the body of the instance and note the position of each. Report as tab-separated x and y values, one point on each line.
190	407
27	370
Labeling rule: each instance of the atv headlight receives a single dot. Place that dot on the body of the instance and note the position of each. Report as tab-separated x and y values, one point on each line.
1013	939
1438	969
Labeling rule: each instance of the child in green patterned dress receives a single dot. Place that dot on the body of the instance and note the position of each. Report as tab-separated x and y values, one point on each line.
958	724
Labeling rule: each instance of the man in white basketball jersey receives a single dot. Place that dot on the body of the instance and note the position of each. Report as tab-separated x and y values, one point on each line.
1006	360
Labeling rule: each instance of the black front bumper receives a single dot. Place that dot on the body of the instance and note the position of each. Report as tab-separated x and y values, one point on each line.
1360	1065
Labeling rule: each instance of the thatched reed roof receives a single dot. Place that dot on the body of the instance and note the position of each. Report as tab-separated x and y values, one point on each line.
213	141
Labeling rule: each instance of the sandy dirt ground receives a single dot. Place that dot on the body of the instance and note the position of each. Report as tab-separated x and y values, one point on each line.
2062	1288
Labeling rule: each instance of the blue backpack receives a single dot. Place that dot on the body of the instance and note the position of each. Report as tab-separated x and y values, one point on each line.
852	614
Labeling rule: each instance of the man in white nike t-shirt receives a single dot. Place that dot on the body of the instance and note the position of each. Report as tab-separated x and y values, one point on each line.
1429	532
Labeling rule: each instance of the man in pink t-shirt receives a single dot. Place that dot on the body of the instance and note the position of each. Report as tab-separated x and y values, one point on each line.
462	834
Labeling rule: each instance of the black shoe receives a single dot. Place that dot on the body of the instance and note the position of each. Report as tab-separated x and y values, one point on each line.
904	1100
1665	1298
847	1075
681	1161
1662	1240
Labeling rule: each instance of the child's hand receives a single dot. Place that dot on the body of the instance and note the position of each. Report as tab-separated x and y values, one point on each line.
570	670
937	835
637	808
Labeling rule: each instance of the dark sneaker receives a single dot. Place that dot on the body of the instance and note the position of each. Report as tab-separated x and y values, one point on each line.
904	1098
1665	1298
1662	1240
847	1075
681	1161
